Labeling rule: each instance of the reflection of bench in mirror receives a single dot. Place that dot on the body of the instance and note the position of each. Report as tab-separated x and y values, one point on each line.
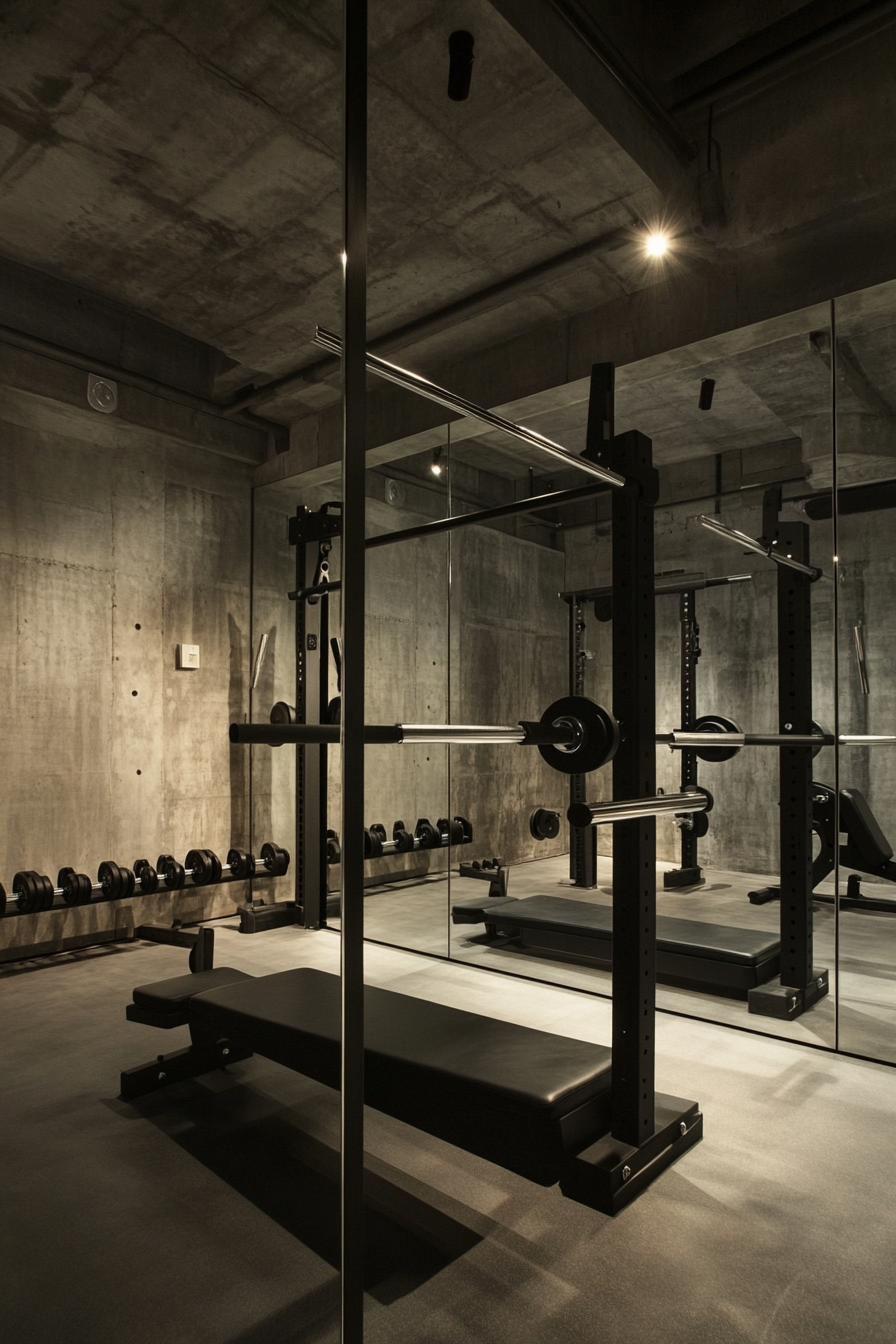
867	850
690	954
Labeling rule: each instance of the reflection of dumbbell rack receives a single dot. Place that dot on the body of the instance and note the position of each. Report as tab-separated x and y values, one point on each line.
457	831
35	892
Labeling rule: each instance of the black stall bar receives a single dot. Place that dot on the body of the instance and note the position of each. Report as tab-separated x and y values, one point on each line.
354	469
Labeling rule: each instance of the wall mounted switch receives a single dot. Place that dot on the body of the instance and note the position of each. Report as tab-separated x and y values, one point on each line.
187	656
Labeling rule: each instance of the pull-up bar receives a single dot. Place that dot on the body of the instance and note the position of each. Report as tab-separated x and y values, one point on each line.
414	382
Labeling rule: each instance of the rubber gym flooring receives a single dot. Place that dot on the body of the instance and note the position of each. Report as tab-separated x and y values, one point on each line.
208	1213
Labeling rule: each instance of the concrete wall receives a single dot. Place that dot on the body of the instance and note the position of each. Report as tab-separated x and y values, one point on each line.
118	543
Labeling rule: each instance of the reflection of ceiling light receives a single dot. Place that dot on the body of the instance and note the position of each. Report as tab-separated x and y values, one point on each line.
436	466
656	245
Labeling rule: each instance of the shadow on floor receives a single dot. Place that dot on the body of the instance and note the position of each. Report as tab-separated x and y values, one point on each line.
293	1177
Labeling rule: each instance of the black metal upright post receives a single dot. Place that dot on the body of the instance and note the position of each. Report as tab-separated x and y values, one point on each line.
582	842
354	467
311	762
648	1131
802	984
634	776
690	871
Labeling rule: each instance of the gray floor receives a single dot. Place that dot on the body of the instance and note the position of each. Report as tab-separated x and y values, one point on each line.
206	1213
863	1021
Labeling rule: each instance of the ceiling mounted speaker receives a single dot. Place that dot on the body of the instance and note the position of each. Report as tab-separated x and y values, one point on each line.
460	70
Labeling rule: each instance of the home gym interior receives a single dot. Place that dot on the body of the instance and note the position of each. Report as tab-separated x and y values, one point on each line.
447	885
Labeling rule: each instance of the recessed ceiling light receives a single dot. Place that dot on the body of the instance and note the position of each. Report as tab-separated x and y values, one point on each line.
656	244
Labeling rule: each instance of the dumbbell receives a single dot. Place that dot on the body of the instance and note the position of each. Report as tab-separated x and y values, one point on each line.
34	891
205	869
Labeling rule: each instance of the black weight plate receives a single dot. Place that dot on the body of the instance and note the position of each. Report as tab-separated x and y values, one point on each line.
2	900
275	859
27	892
199	868
404	841
48	893
241	864
216	866
427	835
138	865
77	889
128	882
373	844
716	723
162	863
600	735
544	824
379	830
109	876
149	879
70	888
174	876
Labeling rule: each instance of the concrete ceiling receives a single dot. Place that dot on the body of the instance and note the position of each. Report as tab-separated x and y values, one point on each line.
184	160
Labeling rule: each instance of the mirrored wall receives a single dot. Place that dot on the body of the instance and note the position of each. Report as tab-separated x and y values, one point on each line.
780	433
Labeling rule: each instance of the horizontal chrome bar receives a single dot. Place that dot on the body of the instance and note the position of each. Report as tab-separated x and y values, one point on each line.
462	733
680	741
751	544
601	814
414	382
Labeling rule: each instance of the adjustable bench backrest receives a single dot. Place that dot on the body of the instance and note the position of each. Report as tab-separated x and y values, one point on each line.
860	823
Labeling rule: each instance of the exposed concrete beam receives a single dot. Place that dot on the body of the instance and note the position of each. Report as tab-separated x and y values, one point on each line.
569	42
677	324
35	387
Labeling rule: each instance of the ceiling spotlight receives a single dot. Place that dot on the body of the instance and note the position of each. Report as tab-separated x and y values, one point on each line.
437	466
656	245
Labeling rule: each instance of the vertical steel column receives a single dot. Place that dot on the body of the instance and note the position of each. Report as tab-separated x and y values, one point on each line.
690	652
583	841
634	776
302	835
795	716
354	467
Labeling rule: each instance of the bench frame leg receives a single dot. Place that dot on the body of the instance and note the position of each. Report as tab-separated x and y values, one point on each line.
192	1062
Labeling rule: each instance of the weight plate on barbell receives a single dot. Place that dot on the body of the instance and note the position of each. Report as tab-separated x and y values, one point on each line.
110	879
715	723
2	900
599	740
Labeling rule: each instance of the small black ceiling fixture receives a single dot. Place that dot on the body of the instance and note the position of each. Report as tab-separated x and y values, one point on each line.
460	70
707	387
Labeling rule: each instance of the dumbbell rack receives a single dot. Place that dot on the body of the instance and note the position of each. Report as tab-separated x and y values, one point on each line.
34	892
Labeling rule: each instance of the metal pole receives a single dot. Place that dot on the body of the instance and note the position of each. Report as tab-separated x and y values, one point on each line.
628	809
354	468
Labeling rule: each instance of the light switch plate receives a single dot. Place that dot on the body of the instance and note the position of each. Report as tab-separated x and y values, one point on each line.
187	656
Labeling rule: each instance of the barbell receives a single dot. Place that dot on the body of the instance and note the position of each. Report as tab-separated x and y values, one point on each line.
574	735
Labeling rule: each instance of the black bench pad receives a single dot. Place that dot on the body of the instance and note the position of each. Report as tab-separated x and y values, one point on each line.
478	911
172	996
522	1098
687	949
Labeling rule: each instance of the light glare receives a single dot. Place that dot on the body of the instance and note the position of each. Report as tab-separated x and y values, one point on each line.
657	244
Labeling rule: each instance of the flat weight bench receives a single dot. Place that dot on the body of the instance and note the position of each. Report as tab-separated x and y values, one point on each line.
524	1099
691	953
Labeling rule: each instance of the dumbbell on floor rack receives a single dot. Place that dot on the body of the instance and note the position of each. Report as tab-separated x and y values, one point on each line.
33	891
